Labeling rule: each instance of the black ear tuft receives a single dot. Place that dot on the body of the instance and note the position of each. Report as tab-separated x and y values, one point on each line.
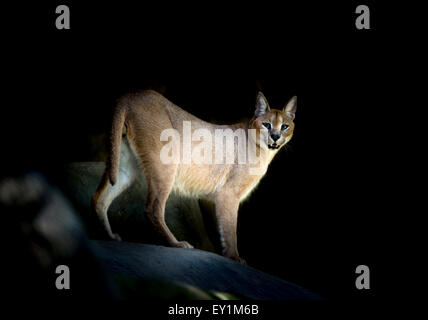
262	105
290	107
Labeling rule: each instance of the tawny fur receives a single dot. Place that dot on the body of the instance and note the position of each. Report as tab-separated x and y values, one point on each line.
135	144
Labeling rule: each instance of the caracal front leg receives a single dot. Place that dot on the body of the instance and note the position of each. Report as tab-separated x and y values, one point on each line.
226	208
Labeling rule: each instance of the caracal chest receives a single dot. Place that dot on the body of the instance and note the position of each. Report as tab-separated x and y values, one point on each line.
203	181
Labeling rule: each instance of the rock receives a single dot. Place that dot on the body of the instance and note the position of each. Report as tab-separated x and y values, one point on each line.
46	232
126	214
132	288
204	270
43	232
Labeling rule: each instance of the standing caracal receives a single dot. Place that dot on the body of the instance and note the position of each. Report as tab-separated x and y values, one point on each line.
138	123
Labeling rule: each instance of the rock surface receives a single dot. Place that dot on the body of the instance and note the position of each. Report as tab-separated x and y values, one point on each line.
47	232
200	269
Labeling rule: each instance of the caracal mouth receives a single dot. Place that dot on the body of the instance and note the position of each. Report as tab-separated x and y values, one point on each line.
273	146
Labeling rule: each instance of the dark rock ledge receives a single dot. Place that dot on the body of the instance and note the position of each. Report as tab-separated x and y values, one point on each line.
201	269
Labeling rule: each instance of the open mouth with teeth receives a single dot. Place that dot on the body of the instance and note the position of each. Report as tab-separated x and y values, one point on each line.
273	146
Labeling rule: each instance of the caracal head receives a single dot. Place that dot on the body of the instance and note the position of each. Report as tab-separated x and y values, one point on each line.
275	126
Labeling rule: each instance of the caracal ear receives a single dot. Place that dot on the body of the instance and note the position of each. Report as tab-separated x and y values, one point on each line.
262	105
290	107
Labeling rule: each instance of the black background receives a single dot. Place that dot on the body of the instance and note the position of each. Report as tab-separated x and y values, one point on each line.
325	204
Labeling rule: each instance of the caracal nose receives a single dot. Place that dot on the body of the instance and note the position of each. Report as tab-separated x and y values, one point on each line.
275	136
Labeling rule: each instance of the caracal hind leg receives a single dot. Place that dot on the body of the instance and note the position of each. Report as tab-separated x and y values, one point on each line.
159	182
106	193
226	208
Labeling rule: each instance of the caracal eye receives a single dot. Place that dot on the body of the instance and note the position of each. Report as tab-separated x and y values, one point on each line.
267	125
284	126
